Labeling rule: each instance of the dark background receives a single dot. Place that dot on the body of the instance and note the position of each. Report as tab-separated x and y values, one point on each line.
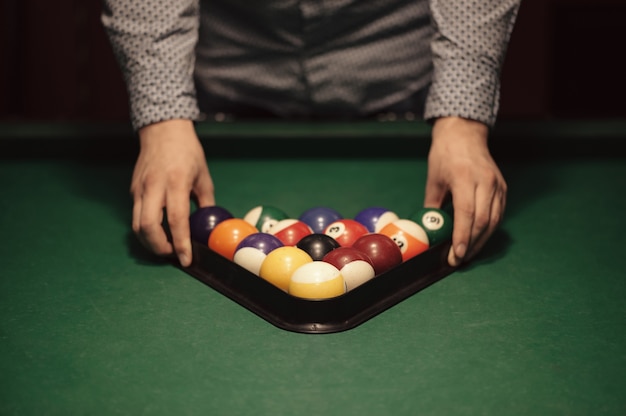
565	61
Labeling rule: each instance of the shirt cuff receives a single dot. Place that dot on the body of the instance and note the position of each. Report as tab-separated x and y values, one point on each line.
156	97
464	88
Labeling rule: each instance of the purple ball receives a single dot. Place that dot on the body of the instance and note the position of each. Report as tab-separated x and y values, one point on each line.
319	218
369	217
263	242
203	220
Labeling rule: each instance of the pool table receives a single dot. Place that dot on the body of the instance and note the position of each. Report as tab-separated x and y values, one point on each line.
92	324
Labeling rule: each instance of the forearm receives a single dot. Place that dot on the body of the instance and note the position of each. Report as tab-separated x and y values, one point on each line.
468	48
154	43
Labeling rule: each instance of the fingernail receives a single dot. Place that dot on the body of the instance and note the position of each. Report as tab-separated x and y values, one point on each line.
460	250
184	260
452	260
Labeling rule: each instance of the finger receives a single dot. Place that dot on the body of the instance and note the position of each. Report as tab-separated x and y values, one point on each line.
204	190
177	202
151	231
434	194
496	214
464	211
485	200
136	220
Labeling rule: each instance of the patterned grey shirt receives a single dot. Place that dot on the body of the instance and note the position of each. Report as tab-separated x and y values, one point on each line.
306	58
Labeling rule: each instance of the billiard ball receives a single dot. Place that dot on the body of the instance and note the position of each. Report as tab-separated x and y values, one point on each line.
253	249
264	217
318	218
228	234
316	280
203	220
355	266
280	264
381	249
436	222
317	245
408	235
290	231
375	218
345	231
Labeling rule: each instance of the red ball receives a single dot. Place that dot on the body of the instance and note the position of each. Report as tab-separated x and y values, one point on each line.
382	250
290	231
345	231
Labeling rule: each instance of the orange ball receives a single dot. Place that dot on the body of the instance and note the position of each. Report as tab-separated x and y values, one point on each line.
408	235
227	235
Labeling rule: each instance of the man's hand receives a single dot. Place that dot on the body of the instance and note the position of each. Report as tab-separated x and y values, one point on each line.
459	164
170	168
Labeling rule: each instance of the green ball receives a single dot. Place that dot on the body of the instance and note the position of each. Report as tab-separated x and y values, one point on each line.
436	222
264	217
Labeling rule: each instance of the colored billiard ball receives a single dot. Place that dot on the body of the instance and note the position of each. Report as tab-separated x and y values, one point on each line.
408	235
280	264
317	245
381	249
228	234
252	250
355	266
290	231
317	280
264	217
203	220
319	218
436	222
345	231
375	218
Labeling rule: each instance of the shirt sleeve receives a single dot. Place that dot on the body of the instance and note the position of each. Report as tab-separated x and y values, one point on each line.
468	47
154	43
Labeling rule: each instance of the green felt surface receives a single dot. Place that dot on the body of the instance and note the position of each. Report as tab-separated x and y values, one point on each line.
92	325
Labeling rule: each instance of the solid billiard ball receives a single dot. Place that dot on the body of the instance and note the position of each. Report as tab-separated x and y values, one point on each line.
345	231
436	222
318	218
252	250
290	231
381	249
228	234
355	266
375	218
203	220
316	280
264	217
408	235
280	264
317	245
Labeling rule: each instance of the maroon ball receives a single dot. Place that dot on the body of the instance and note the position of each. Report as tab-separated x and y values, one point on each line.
344	255
382	250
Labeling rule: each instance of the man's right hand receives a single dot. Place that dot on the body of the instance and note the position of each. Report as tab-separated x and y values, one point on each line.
170	168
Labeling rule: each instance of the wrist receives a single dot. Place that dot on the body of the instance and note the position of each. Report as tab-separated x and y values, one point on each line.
460	124
455	128
174	129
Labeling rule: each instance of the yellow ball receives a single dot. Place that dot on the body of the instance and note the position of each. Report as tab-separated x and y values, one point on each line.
317	280
280	264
